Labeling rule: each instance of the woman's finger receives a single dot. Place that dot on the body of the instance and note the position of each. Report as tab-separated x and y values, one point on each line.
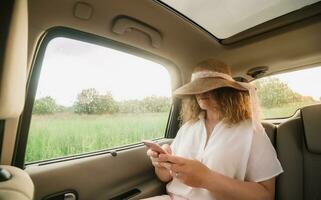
177	175
167	148
156	164
177	168
152	153
157	160
154	159
165	165
172	159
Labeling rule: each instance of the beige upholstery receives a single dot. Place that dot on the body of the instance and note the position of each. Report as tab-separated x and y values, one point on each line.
270	130
311	117
298	143
14	71
18	187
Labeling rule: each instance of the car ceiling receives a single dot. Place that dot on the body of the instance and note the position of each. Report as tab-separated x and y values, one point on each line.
295	45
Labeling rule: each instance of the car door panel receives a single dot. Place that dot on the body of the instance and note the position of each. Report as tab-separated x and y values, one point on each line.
98	177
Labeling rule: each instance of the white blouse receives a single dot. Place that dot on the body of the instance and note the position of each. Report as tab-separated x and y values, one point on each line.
235	151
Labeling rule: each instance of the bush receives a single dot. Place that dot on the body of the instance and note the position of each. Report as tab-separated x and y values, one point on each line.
152	104
45	105
61	108
156	104
273	92
89	101
131	106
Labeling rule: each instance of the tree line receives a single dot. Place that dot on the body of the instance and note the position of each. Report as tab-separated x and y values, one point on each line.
271	92
90	101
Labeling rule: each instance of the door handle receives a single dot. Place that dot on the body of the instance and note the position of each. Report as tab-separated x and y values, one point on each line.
64	195
70	196
125	24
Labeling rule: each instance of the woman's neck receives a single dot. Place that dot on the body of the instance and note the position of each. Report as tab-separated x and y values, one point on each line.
212	117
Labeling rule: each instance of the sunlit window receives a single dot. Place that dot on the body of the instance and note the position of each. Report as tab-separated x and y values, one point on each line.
91	98
281	95
227	18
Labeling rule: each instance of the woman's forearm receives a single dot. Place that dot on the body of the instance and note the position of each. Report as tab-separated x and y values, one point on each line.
226	188
163	174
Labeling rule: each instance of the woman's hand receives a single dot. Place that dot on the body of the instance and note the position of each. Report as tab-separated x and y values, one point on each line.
196	174
161	168
154	156
190	172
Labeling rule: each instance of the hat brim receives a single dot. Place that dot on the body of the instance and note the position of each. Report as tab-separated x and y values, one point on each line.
202	85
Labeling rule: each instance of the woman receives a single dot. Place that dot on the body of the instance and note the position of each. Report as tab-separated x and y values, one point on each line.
222	150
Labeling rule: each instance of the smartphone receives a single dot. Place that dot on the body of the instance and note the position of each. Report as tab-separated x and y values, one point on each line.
154	146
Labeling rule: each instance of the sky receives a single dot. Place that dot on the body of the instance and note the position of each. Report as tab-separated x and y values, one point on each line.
70	66
238	15
306	82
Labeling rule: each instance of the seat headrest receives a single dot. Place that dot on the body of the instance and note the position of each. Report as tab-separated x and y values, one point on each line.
18	187
311	117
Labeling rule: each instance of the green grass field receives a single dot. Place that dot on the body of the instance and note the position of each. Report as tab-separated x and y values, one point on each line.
283	111
57	135
62	134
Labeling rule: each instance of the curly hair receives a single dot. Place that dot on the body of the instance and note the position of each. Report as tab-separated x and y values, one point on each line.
233	106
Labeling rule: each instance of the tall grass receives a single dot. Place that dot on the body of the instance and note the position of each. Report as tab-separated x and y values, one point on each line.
57	135
63	134
284	111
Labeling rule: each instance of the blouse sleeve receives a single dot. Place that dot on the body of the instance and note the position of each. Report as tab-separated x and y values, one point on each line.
263	163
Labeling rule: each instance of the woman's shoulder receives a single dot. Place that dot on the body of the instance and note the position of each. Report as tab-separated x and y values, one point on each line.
244	124
248	125
187	129
190	125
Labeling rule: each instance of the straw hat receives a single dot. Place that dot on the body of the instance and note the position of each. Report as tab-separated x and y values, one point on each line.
203	79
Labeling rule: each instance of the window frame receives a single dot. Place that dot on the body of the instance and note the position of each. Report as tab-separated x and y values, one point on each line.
18	158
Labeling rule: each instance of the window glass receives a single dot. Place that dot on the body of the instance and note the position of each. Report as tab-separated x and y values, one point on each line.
281	95
91	98
226	18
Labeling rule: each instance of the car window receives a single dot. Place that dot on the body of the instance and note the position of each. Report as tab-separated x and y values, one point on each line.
238	15
91	98
281	95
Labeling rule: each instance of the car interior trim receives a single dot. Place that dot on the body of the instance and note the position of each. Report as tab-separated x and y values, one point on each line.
24	122
2	124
